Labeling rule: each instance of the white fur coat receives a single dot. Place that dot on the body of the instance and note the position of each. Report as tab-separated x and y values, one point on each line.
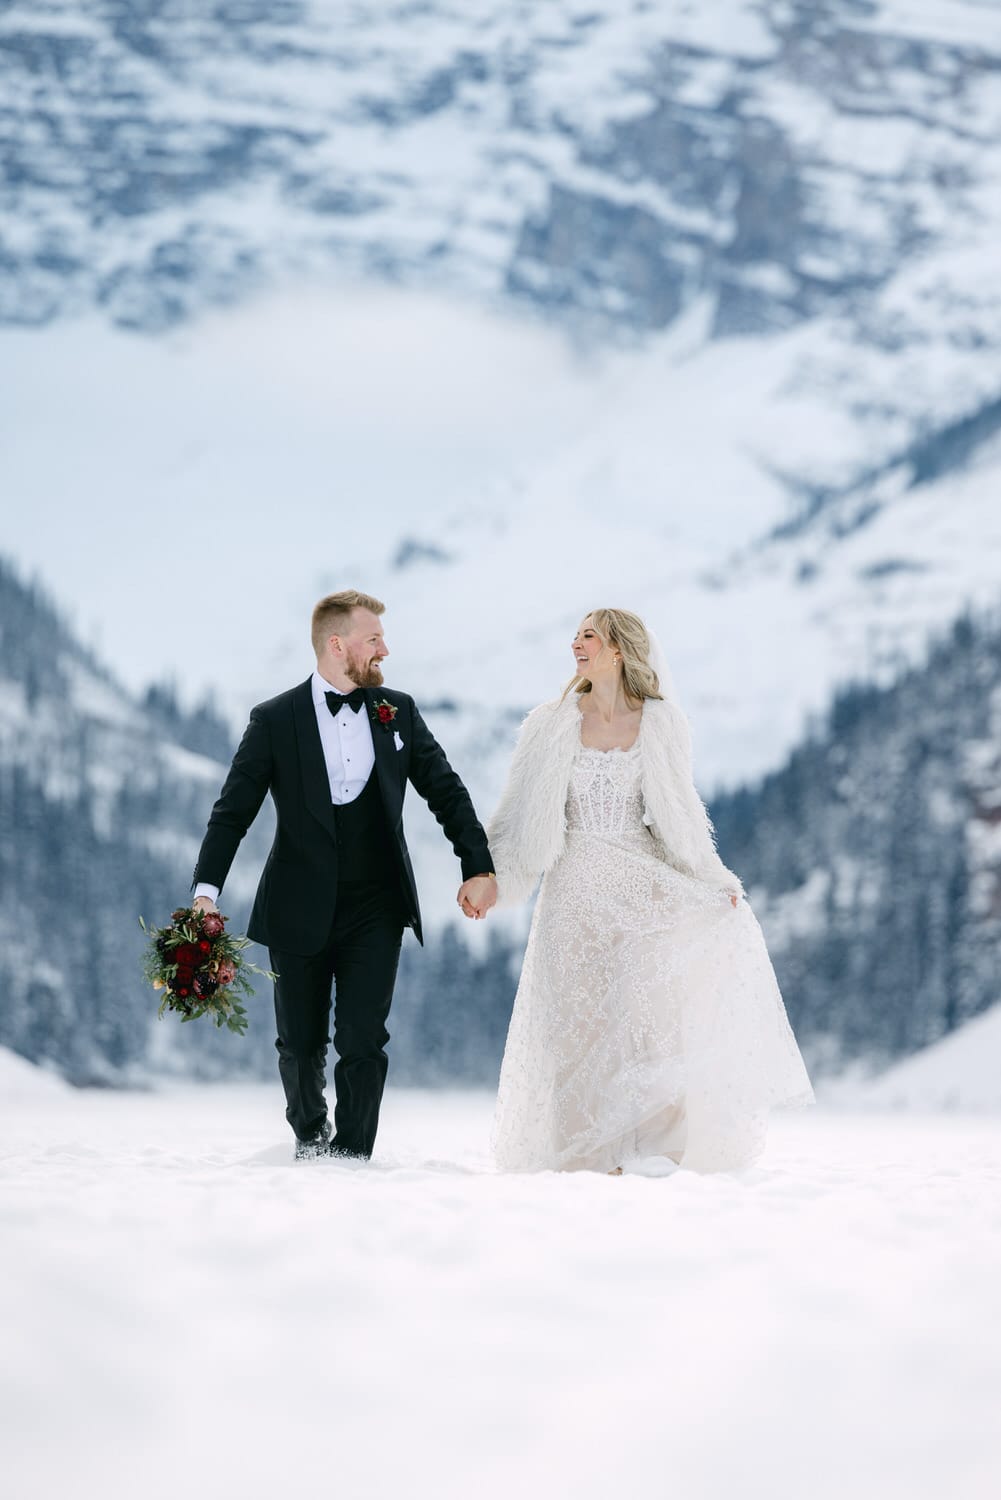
528	830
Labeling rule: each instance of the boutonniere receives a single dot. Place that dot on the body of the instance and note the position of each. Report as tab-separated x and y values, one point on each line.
384	713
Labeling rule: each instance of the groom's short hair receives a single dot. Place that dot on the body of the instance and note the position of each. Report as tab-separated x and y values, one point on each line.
332	615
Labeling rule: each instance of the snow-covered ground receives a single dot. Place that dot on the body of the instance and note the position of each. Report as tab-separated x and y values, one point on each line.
962	1073
187	1311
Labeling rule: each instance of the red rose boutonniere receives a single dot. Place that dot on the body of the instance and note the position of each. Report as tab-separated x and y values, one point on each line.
384	713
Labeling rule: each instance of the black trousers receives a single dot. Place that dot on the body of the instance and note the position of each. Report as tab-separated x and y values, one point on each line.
358	962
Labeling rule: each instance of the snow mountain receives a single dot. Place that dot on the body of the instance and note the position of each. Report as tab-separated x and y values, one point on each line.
611	160
772	226
286	260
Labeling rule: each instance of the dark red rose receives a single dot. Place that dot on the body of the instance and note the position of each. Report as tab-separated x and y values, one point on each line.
385	714
186	954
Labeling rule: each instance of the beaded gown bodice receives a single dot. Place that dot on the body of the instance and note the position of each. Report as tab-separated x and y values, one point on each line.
606	796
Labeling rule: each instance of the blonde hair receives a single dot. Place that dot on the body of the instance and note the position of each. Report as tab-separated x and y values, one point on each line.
625	631
332	615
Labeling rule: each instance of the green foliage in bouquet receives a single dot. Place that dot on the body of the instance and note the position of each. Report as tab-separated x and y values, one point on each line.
200	968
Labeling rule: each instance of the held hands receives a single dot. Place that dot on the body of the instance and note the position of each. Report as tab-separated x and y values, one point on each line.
477	895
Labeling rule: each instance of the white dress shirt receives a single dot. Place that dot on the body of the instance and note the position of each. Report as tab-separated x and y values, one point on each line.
348	751
348	748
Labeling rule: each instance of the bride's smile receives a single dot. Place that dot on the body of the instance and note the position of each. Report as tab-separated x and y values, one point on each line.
590	652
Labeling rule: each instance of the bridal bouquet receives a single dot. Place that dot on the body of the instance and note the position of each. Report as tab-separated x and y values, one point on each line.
200	968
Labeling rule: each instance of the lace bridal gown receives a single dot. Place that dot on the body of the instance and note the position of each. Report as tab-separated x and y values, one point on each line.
648	1022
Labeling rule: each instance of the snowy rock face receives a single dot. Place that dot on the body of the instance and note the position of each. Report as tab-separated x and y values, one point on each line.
788	214
612	161
783	156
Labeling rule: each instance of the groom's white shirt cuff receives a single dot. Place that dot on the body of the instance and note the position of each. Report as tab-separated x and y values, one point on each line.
201	889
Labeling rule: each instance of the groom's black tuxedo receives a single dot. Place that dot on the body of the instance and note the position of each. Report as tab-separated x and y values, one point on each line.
336	892
281	753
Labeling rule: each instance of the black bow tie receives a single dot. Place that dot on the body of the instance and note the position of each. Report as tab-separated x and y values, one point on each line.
354	700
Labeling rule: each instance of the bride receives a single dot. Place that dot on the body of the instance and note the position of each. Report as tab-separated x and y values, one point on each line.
648	1023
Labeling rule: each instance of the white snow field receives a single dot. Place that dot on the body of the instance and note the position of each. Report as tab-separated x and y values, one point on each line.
961	1072
187	1312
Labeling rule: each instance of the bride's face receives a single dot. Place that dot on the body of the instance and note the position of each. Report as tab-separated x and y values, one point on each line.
592	658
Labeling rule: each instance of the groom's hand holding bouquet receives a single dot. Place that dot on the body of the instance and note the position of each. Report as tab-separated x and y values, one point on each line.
199	967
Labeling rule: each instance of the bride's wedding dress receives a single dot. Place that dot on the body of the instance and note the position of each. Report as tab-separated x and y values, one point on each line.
648	1022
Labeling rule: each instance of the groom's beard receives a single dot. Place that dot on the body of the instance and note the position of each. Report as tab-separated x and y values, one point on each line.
365	673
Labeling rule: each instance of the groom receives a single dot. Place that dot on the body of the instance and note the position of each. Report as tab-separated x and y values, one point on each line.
338	888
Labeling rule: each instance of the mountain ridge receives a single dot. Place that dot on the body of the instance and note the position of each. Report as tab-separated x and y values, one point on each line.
787	156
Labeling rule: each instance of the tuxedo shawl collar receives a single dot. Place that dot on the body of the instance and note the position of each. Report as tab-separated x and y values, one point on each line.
386	766
316	782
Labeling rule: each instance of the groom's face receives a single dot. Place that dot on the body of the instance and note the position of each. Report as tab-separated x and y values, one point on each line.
365	647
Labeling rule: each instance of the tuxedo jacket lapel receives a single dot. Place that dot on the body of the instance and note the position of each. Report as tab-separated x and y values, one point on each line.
315	781
386	766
